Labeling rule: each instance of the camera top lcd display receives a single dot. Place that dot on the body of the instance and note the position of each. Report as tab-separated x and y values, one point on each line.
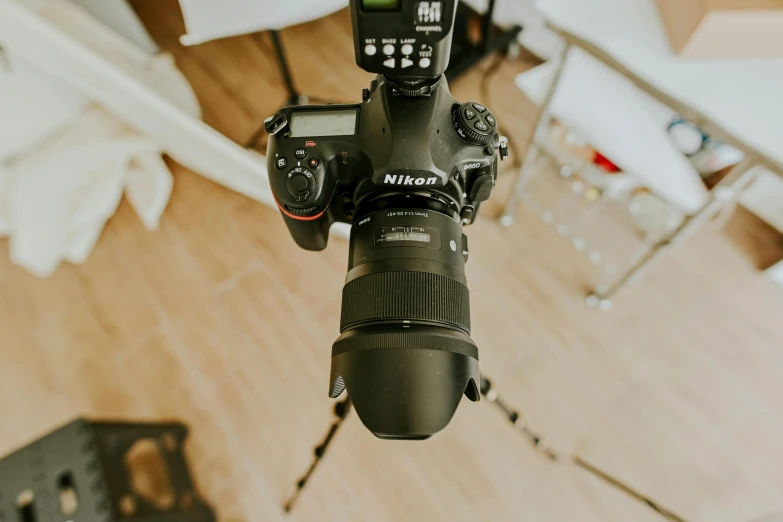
380	5
312	124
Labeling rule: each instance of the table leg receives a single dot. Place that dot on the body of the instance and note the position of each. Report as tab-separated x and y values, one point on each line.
542	118
724	193
517	191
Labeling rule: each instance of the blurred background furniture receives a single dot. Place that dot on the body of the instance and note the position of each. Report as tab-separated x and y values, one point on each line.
206	20
56	36
120	17
58	54
724	28
467	51
612	48
203	321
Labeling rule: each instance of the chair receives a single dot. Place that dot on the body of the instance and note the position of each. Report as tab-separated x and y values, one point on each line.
629	127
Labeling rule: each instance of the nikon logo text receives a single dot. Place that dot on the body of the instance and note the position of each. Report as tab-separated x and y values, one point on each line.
394	179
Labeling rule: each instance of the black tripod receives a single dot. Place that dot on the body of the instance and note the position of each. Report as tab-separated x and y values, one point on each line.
294	96
343	408
466	53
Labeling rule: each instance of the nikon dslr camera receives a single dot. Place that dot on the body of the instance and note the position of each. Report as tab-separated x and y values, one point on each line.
407	168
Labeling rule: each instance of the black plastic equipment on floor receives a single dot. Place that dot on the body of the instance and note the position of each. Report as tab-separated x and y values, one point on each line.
99	472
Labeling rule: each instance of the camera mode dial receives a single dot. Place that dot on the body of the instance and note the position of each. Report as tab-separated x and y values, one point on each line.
474	123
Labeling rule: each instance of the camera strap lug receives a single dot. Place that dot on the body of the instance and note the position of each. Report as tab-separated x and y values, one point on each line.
503	148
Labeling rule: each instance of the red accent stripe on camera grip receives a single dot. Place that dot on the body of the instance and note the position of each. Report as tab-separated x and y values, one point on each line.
298	218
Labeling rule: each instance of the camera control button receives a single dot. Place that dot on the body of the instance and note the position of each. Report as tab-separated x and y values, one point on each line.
470	122
370	50
424	63
388	49
300	183
390	63
314	163
407	49
281	163
300	153
491	120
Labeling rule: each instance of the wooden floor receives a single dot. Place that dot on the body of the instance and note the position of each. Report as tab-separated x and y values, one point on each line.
219	320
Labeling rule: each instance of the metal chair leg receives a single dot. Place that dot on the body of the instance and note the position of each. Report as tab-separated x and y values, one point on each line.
724	193
542	118
523	178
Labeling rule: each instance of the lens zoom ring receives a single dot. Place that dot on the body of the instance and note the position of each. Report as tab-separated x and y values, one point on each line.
406	295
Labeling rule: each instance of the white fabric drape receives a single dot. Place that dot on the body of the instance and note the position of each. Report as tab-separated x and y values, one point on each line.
56	198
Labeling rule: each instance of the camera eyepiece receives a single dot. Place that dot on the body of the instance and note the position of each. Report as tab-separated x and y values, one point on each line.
405	354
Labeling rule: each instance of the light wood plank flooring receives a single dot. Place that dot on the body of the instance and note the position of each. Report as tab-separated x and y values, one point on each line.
219	320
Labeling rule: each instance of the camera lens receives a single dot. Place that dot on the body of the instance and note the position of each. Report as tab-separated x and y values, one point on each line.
405	354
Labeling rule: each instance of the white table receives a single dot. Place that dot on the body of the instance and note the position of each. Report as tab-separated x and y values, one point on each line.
736	101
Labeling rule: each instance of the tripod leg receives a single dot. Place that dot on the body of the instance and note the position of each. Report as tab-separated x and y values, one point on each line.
608	479
294	98
486	30
255	139
341	410
516	419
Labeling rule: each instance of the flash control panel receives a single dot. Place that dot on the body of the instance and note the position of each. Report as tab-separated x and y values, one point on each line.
403	38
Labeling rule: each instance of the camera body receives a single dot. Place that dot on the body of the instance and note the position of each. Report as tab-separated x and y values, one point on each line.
326	162
407	168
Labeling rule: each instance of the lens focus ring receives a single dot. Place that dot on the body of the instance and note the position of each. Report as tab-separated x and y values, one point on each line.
422	296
